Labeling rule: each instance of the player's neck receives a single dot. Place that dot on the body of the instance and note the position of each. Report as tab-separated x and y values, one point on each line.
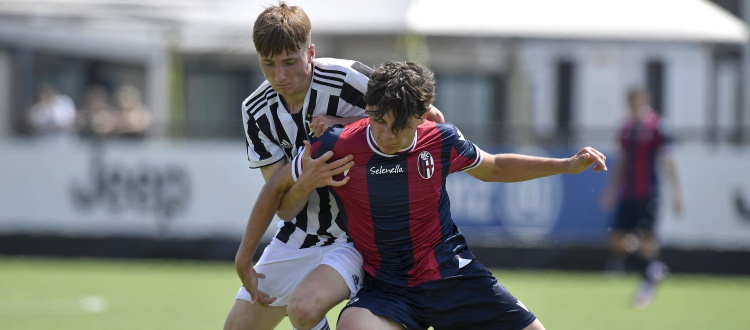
293	103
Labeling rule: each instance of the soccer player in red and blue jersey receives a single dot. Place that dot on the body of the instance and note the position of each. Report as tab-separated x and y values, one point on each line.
310	265
419	269
635	188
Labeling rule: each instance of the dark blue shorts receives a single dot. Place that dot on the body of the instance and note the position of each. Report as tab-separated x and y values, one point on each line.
633	214
473	299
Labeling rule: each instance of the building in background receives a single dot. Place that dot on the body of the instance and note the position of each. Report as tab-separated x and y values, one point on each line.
509	72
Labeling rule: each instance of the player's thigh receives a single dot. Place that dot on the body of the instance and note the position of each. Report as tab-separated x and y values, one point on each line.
247	316
361	318
536	325
284	268
323	288
338	277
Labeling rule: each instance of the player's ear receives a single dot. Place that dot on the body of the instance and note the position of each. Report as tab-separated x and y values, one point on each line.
311	51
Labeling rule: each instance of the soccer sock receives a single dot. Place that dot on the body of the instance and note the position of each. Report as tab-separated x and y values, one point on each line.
656	271
323	325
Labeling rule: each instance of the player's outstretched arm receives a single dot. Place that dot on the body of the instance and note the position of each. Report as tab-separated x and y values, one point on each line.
267	203
317	173
670	168
516	167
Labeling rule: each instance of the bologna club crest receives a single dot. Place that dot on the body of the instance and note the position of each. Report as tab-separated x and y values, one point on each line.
426	165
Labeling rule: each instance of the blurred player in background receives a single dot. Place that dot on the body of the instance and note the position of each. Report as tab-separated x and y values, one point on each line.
633	192
419	270
311	265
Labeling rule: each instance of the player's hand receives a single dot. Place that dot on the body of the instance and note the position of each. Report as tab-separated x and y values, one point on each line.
249	279
433	114
585	158
320	124
318	172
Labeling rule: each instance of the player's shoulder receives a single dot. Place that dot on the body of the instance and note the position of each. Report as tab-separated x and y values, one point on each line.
259	99
351	130
447	130
341	67
341	134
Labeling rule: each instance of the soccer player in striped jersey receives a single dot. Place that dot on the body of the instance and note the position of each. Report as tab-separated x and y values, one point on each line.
419	269
310	265
634	188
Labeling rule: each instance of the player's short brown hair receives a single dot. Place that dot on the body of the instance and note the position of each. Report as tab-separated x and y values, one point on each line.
280	29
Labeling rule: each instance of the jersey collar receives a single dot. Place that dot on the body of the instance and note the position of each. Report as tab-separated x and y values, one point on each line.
374	145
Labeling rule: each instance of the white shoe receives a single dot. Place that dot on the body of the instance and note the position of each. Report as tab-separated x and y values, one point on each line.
644	297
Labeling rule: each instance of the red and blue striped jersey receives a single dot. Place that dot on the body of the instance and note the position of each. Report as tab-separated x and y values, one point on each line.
641	140
396	208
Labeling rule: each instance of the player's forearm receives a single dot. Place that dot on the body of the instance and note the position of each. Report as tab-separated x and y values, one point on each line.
293	202
672	175
516	168
260	218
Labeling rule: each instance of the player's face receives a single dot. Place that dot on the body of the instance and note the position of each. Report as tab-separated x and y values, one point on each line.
388	141
289	73
637	103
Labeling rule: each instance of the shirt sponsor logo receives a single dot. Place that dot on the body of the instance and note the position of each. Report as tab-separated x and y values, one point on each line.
426	164
383	170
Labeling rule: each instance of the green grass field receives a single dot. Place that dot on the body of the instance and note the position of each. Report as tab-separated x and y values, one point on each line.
97	294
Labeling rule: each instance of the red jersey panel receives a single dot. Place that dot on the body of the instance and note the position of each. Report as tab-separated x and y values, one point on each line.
641	140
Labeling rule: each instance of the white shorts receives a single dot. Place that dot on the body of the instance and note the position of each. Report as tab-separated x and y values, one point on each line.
285	267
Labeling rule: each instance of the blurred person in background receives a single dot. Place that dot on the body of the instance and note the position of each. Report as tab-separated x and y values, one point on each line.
633	193
310	266
419	269
97	118
134	119
54	114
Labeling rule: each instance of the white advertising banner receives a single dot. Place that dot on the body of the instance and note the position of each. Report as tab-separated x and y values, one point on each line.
176	190
196	190
716	187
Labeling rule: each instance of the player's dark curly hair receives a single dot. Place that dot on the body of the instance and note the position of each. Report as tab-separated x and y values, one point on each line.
281	29
404	88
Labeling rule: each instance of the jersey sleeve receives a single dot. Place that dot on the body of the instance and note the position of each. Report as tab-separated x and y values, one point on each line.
353	90
464	154
317	148
262	149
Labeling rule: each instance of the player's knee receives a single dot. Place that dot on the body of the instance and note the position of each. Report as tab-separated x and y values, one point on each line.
305	312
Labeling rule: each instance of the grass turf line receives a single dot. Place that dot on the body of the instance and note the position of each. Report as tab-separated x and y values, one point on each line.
40	293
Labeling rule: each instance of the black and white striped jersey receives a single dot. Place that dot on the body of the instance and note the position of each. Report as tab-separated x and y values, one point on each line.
272	134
